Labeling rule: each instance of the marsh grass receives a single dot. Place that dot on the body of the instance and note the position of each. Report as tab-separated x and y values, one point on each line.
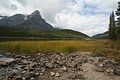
105	47
47	46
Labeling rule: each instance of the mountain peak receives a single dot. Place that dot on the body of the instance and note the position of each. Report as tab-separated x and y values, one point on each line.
36	15
36	12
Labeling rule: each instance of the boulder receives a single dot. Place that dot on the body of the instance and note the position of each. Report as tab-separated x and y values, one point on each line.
116	71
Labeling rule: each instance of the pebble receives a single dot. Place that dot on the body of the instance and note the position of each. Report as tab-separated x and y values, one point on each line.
57	75
32	64
37	74
27	75
72	76
52	73
100	69
49	65
101	65
80	76
23	72
109	70
18	78
64	69
32	78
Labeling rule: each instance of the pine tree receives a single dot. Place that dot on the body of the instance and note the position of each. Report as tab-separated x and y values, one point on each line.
118	14
118	32
112	28
118	21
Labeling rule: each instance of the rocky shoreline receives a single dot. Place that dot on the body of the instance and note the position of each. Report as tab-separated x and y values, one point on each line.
58	66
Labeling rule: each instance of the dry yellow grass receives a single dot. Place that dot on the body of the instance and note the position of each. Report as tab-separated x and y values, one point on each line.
105	47
47	46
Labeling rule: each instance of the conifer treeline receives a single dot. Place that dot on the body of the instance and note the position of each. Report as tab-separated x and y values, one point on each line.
114	26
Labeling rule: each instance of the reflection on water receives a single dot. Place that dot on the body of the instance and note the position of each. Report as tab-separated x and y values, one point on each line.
34	39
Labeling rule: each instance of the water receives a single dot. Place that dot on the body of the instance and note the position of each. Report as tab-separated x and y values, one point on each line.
1	55
3	58
33	39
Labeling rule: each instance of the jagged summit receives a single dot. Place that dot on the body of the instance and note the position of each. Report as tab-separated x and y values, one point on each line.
34	21
36	14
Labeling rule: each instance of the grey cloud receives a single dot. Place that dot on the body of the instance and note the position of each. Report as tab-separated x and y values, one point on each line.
5	3
23	2
48	8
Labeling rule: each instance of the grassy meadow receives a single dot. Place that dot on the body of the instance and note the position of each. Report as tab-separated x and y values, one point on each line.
104	47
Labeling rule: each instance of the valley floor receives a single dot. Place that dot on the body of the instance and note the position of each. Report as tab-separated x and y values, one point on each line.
58	66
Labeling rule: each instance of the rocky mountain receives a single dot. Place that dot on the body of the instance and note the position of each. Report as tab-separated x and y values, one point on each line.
12	20
1	17
101	36
33	21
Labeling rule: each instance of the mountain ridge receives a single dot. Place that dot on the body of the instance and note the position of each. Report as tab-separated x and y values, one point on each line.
101	36
34	21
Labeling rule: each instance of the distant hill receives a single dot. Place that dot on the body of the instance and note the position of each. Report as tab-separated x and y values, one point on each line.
64	33
101	36
33	21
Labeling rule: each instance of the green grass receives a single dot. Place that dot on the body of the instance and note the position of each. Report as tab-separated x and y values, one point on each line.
104	47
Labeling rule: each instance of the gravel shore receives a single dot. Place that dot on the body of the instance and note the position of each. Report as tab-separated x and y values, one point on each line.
58	66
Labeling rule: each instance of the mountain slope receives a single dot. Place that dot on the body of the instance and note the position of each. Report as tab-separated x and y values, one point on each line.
101	36
65	33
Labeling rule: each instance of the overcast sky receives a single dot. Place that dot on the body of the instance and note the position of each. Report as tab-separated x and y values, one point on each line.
88	16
